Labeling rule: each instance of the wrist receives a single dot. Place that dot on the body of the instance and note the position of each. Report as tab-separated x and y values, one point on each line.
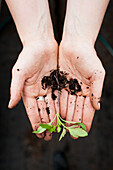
82	22
36	46
41	30
73	38
38	37
32	19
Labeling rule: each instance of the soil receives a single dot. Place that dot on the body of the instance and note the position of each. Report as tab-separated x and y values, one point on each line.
57	80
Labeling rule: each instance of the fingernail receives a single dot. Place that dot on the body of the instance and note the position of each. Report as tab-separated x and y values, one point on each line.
9	105
99	105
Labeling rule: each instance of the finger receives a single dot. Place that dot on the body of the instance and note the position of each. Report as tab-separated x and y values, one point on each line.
88	113
42	110
96	87
32	112
17	84
50	108
48	136
44	117
85	90
78	109
70	108
63	103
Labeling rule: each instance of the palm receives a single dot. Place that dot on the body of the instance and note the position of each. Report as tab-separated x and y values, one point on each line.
36	66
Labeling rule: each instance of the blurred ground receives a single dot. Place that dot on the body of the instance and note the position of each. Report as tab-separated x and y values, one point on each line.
19	148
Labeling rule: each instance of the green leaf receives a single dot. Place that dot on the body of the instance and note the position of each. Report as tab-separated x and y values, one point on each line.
78	132
62	134
72	133
39	130
58	129
52	129
46	126
82	125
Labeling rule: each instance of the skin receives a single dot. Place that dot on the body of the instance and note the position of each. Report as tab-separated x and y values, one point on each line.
78	57
37	58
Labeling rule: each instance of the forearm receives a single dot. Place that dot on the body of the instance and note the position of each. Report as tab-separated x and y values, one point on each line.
84	18
32	19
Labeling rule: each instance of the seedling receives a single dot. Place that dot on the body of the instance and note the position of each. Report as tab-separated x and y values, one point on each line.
76	129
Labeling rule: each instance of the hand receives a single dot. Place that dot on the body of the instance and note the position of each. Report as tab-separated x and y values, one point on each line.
34	62
38	57
81	62
78	57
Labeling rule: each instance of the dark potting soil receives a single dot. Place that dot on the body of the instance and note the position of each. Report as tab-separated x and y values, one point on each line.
57	80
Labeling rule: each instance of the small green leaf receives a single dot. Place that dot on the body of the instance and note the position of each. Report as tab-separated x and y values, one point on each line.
78	132
62	134
39	130
82	125
52	129
58	129
46	126
72	133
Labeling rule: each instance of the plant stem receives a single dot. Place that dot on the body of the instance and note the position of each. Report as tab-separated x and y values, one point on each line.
67	121
53	119
62	123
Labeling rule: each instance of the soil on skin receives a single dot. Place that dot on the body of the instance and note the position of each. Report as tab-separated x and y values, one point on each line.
57	80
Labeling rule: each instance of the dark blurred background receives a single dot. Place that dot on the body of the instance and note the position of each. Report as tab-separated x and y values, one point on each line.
19	148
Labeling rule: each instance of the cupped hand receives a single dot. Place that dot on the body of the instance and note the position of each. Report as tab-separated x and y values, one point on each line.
35	61
81	62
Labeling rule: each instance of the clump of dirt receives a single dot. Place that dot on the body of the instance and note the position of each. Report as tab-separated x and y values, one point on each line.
57	80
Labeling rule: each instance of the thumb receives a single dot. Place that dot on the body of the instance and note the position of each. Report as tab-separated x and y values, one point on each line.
17	84
97	81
